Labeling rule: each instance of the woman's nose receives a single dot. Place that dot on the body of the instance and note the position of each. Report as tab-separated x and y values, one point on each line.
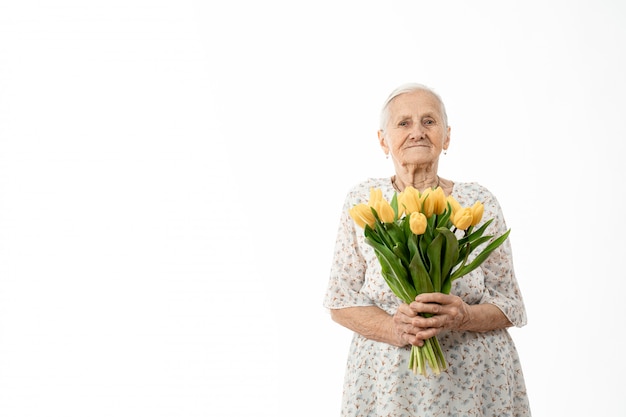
418	131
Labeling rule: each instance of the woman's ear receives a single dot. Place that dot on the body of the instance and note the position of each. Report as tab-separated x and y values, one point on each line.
446	140
382	142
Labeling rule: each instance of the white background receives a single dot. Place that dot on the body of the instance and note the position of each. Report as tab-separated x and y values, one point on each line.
171	176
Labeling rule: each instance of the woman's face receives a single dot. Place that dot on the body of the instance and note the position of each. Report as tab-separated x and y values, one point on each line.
415	133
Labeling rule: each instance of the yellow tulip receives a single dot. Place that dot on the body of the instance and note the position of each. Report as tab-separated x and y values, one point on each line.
409	201
453	204
428	203
462	219
477	212
418	223
382	206
362	215
439	200
384	210
376	194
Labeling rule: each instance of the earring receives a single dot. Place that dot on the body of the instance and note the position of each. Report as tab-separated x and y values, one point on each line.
445	151
386	156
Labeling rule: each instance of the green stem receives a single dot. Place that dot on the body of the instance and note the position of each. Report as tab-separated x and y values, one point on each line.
442	358
420	367
430	353
432	358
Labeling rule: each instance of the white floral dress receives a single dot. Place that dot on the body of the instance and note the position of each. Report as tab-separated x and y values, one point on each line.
484	375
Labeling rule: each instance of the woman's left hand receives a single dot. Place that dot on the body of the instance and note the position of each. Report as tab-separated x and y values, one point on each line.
449	312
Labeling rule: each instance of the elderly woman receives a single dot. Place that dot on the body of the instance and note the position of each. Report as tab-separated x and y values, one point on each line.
484	375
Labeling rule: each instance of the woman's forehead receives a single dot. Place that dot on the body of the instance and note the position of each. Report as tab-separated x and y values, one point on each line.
422	102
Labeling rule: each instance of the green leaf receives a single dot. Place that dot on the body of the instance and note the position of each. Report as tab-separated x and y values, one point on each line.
430	227
370	233
481	257
394	205
450	254
473	235
434	255
396	233
385	238
446	285
444	218
397	241
406	227
411	243
394	273
401	252
421	279
423	243
476	243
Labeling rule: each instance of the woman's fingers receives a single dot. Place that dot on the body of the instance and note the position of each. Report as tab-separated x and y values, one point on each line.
406	311
403	324
442	311
448	311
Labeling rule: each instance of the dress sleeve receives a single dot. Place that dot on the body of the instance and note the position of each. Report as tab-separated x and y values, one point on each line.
501	286
348	268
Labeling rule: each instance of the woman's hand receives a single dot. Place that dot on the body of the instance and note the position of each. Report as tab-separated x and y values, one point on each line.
448	312
403	326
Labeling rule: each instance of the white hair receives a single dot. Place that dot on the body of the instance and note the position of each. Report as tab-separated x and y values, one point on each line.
409	88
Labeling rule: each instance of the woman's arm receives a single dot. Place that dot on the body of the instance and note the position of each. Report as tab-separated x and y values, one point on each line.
371	322
484	318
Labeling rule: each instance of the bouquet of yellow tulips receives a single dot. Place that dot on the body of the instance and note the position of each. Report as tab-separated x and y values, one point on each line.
414	238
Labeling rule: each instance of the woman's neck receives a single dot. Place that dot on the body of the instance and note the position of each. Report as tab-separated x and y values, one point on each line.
419	182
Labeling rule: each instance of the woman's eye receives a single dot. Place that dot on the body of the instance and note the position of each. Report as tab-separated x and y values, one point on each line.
403	123
429	122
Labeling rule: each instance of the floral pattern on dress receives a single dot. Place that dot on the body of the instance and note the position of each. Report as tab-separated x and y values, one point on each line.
484	376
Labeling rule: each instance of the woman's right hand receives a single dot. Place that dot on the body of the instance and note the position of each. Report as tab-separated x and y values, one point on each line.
404	328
